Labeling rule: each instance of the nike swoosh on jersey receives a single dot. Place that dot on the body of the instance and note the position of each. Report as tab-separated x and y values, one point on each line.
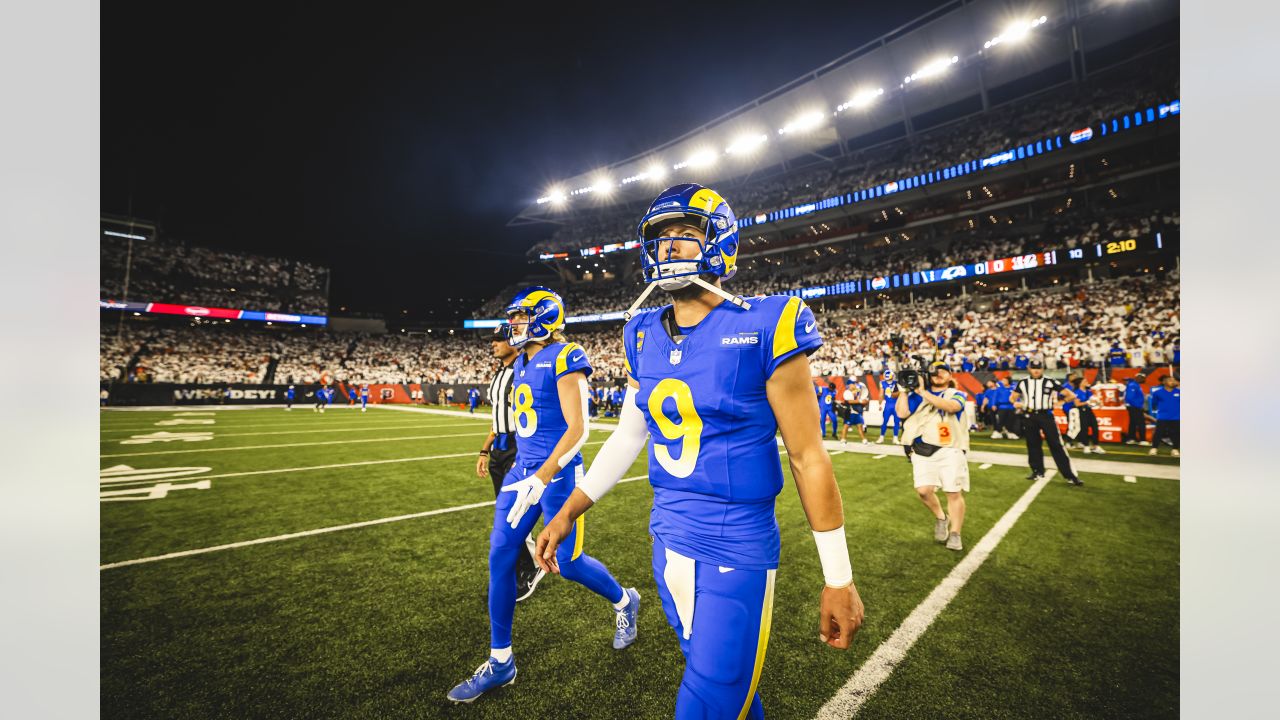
724	569
578	357
809	327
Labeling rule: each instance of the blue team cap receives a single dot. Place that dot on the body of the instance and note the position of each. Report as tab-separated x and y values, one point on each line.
938	365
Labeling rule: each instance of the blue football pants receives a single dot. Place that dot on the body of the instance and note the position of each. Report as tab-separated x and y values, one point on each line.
506	544
721	617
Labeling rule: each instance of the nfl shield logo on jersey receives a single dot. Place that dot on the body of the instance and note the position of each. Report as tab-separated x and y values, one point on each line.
675	357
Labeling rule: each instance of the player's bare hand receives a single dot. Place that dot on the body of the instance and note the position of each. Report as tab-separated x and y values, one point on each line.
549	541
840	616
482	466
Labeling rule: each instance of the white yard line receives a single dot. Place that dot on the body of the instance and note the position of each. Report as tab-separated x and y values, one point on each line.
307	533
287	445
850	698
984	466
1130	479
370	428
421	458
879	457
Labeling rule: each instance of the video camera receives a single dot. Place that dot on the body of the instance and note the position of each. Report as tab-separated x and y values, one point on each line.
909	375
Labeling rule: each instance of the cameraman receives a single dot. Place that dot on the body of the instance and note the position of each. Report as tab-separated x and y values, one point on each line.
937	437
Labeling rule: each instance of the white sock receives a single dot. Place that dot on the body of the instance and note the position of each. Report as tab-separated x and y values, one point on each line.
624	602
501	654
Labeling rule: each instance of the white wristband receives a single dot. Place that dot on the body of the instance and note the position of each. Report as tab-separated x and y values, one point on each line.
833	551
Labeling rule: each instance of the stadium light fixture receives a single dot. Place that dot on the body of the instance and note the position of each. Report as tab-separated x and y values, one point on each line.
861	99
746	144
656	172
700	158
803	123
1015	32
930	69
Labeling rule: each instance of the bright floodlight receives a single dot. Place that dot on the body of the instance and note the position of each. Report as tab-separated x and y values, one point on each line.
933	68
656	172
698	159
807	121
556	196
744	144
1015	32
861	99
603	186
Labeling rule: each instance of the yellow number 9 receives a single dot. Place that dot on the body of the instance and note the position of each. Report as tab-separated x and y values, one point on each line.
688	430
526	418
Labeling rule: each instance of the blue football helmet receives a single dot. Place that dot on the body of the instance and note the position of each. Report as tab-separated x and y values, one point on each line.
886	375
538	311
698	206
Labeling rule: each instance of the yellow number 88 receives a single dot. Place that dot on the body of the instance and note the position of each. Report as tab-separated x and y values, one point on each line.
526	418
688	430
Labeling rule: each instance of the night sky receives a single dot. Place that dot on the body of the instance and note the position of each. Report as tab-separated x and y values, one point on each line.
393	145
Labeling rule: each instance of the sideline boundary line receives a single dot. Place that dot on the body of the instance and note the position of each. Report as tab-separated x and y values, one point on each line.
285	445
308	533
886	658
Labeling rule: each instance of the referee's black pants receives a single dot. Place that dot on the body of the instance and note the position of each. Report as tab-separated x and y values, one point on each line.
500	462
1137	430
1042	421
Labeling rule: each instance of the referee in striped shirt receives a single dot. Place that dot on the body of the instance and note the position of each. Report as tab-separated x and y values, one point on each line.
1035	397
499	451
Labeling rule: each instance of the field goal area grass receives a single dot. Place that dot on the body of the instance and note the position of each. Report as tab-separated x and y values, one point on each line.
264	563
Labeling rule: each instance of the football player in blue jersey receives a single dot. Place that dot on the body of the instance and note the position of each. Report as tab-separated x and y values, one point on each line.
712	379
889	392
827	408
288	396
549	401
364	397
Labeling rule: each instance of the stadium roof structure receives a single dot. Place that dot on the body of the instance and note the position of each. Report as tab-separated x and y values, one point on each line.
948	63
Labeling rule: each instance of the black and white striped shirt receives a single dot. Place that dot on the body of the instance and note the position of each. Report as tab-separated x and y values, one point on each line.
1038	394
500	399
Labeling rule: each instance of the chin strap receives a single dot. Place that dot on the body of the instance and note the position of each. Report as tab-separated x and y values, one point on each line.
720	291
648	288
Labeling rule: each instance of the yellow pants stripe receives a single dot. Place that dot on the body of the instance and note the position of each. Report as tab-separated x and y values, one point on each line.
766	619
581	529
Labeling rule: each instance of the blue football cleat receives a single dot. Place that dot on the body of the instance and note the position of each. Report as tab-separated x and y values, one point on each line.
625	619
492	674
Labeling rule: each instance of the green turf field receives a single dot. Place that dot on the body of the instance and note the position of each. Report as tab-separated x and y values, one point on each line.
1074	614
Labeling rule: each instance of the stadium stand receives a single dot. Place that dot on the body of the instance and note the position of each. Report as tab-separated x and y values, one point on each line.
1145	82
1063	325
162	271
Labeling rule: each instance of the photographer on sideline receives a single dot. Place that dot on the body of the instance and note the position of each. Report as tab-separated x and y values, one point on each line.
935	431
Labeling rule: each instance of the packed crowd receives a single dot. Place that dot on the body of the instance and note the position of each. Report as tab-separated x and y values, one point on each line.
1076	326
932	248
165	272
1082	325
1056	112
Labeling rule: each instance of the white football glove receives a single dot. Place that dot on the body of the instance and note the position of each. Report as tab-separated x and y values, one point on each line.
528	492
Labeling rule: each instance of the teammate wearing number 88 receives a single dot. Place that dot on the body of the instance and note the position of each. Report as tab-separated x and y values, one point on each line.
550	413
712	379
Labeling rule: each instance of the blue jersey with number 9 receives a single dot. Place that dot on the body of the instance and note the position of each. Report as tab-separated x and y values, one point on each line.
713	456
535	401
